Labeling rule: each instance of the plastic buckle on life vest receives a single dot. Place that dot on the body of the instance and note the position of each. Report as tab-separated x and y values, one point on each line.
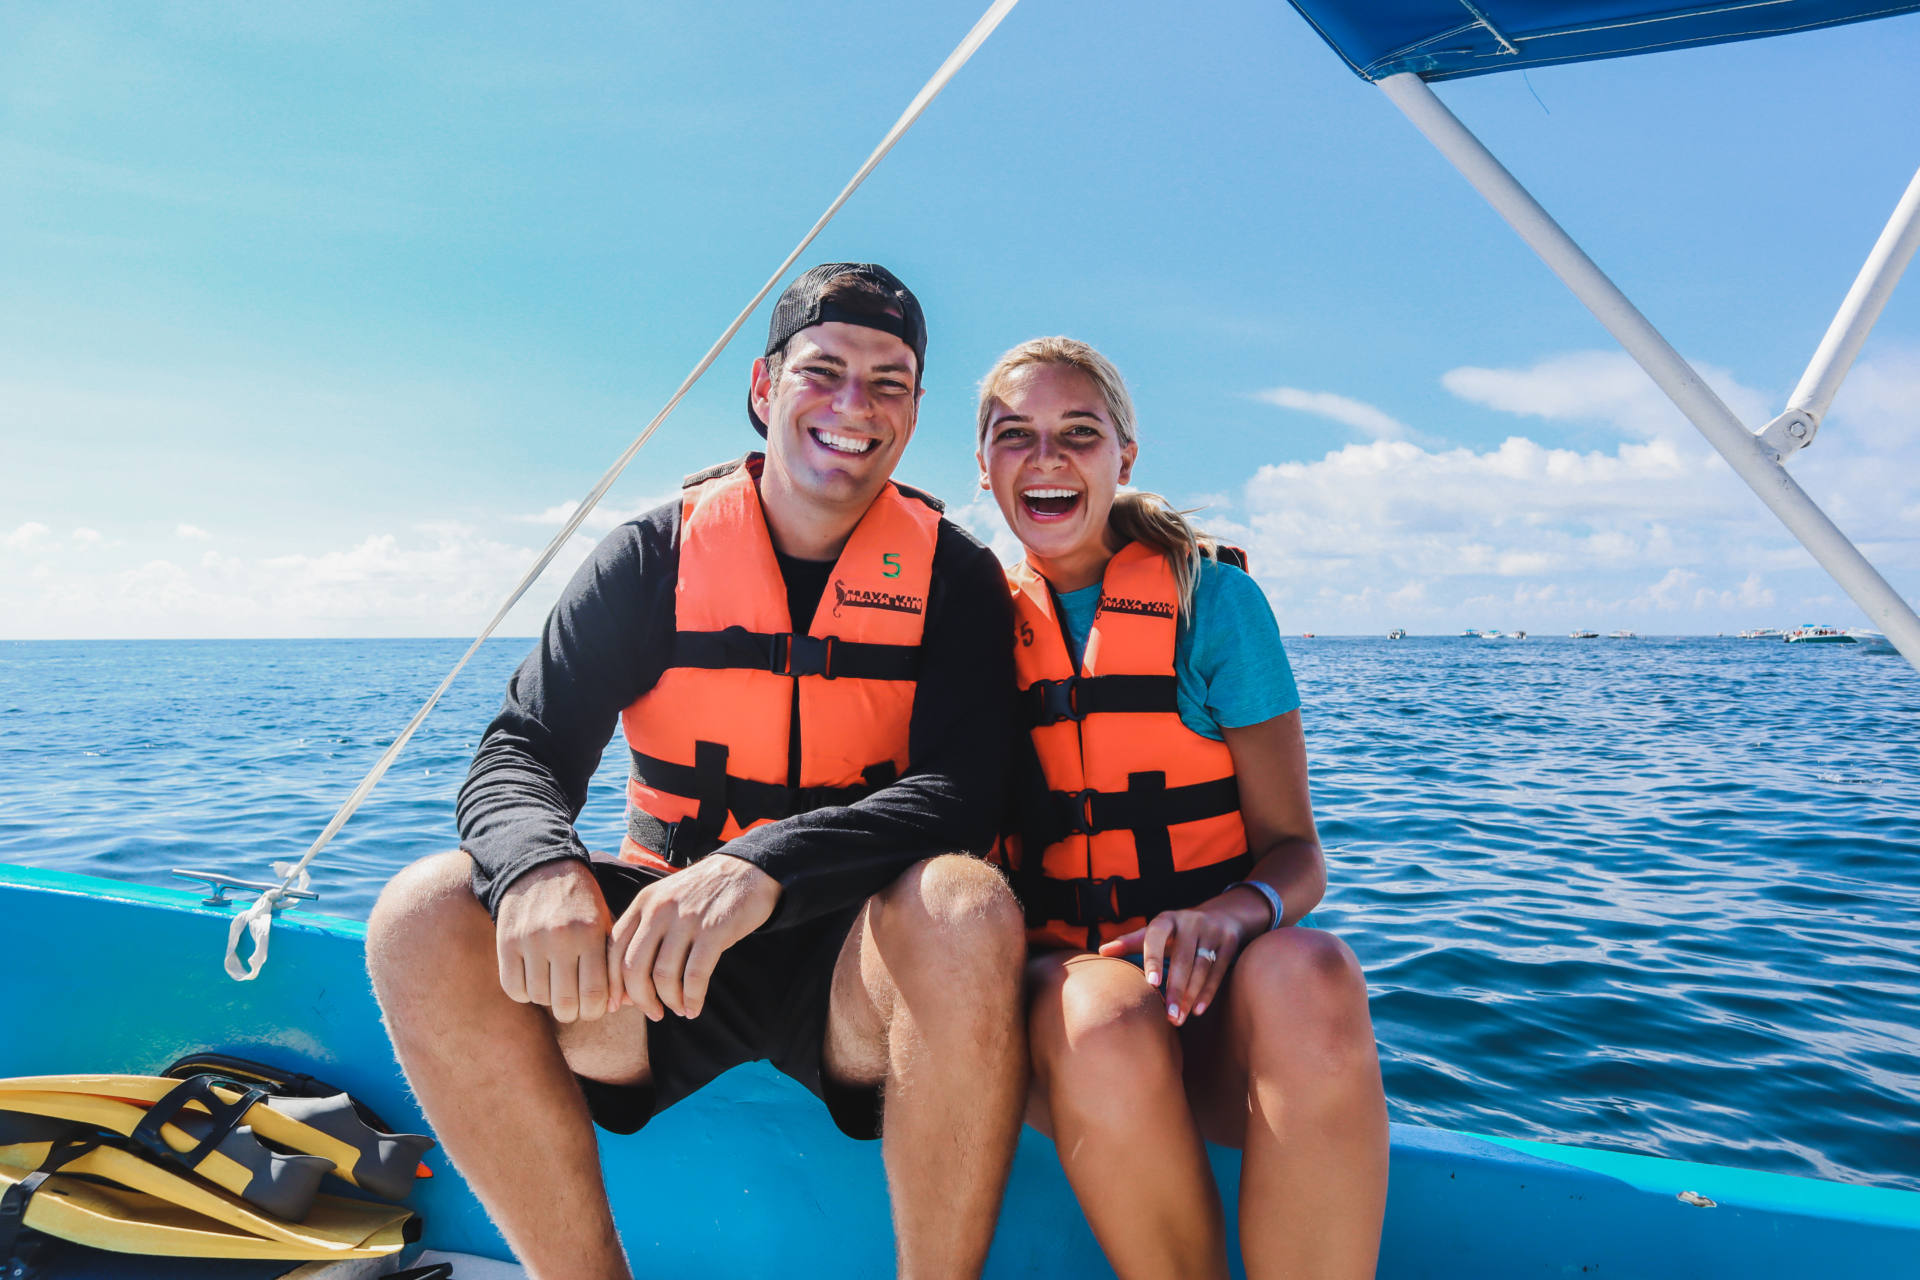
1056	700
1096	901
1080	812
808	656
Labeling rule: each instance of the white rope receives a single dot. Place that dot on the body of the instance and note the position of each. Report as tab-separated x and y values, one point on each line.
257	919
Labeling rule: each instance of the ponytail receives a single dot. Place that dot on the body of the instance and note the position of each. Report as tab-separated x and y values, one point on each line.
1151	520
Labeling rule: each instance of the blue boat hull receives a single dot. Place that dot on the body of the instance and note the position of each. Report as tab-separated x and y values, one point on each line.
750	1176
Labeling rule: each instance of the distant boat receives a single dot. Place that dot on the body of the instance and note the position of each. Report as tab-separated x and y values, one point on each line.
1489	635
1583	635
1306	635
1810	634
1398	633
1870	641
1759	633
1622	634
1469	634
1519	635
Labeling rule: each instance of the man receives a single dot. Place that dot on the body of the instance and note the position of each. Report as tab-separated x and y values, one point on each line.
813	673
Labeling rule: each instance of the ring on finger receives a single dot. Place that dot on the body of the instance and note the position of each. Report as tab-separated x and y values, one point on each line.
1206	953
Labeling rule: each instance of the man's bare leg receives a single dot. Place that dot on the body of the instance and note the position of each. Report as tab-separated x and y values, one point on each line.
927	1003
490	1074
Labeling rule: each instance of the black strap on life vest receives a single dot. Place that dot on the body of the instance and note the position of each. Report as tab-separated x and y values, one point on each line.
788	654
1089	903
1147	808
719	793
1147	804
1076	697
13	1205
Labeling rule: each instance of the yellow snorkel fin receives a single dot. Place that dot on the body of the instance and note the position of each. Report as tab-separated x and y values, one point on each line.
270	1150
98	1195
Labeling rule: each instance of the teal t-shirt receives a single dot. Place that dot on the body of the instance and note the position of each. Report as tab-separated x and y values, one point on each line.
1229	666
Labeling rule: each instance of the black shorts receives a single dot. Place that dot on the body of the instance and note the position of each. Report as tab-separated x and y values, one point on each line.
768	999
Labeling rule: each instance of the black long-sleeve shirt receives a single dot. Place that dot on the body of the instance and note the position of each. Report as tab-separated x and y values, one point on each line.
607	642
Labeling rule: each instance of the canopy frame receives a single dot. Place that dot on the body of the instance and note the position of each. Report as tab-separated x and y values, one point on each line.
1757	458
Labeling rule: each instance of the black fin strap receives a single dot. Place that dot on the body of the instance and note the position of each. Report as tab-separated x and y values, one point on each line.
13	1205
226	1118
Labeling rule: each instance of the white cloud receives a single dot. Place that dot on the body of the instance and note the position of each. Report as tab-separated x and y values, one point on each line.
1652	532
1665	594
601	520
1879	403
1649	531
439	579
1864	466
1752	593
1370	420
1599	386
1516	564
191	532
25	536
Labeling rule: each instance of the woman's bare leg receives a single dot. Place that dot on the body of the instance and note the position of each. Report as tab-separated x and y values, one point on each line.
1107	1088
1289	1074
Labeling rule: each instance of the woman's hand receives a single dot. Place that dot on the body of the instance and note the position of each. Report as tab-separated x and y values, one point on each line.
1270	762
1187	953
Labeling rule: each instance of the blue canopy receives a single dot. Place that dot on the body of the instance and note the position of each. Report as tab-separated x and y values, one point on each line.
1446	39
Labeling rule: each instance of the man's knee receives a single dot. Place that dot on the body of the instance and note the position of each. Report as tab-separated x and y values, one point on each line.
427	908
951	911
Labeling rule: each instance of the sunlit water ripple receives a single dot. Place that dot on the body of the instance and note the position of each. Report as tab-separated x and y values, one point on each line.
1657	895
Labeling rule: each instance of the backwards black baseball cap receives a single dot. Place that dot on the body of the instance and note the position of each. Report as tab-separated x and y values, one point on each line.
804	305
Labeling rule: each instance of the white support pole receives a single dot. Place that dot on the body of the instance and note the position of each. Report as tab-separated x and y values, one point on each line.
1871	289
1752	461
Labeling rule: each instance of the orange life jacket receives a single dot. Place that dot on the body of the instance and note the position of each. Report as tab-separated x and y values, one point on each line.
1140	814
710	740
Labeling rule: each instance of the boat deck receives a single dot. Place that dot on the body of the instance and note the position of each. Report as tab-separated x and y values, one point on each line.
751	1175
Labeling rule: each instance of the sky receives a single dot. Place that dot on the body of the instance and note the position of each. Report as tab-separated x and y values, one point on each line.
316	320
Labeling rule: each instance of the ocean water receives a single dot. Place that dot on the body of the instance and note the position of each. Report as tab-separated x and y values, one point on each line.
1652	895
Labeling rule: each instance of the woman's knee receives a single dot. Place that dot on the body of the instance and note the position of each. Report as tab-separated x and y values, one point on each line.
1096	1027
1300	1004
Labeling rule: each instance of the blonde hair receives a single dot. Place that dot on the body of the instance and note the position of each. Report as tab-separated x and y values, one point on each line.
1135	517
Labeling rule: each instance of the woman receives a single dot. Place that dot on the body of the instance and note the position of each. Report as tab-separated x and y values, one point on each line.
1167	816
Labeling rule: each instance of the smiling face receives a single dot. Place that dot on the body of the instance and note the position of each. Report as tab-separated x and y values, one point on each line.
1054	459
839	411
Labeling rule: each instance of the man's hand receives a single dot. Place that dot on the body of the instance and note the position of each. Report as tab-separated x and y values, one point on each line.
666	944
551	937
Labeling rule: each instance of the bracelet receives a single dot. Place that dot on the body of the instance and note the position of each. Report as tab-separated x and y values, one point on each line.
1268	892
